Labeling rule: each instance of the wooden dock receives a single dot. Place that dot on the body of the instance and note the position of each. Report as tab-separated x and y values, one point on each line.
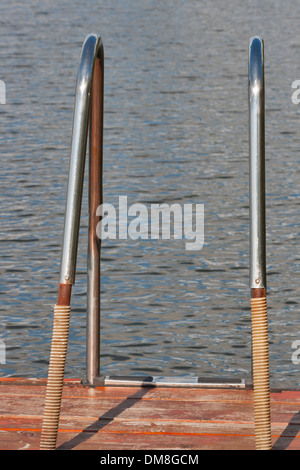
144	418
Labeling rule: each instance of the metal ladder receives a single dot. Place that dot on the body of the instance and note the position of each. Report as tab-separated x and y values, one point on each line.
88	114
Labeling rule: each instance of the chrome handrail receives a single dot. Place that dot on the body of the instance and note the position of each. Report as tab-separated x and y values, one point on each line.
88	112
257	164
88	115
258	277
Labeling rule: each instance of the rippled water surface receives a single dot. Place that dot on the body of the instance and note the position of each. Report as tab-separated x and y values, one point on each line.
176	130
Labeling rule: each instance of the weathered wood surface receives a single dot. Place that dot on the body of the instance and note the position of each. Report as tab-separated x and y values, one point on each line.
144	418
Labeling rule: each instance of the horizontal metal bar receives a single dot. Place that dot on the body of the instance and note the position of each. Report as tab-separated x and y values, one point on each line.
162	381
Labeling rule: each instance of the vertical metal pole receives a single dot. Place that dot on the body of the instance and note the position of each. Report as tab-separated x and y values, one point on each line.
257	165
260	349
94	243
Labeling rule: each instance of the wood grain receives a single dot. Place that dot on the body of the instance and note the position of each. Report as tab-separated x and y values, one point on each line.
144	418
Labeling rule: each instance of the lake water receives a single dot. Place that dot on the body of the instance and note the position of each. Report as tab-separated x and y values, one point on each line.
176	130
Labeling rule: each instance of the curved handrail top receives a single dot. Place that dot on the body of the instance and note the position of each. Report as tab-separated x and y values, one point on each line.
256	65
92	49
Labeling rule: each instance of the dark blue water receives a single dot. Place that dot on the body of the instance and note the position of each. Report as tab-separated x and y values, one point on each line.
176	130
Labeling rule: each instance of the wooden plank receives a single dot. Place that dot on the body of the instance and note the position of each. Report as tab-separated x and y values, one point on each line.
155	442
71	441
30	441
33	381
144	394
75	390
132	408
154	409
286	397
166	426
122	439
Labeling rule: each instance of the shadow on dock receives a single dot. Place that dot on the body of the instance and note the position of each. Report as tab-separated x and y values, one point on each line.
289	434
107	417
